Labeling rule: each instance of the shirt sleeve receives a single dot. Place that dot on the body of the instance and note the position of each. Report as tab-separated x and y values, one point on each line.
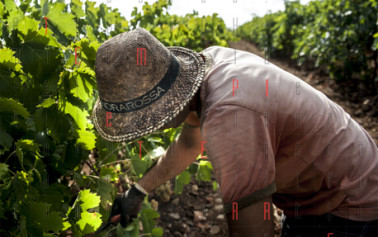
239	146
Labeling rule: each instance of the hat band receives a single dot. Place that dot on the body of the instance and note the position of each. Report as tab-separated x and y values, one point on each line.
148	98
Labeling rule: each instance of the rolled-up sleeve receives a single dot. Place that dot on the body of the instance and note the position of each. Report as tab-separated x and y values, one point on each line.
240	148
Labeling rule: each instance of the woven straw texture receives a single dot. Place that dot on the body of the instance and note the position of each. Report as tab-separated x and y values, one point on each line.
120	79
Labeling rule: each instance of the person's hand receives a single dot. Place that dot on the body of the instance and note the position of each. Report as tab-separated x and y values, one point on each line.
127	205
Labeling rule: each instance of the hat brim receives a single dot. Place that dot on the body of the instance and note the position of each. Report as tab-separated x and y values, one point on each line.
120	127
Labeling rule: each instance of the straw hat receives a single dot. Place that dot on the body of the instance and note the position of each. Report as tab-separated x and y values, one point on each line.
141	91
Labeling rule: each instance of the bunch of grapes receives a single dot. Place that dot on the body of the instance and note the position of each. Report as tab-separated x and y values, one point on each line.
164	192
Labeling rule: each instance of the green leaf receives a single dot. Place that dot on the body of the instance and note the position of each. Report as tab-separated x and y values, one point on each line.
8	61
11	105
38	216
15	16
66	225
3	170
47	103
28	145
88	199
105	149
57	123
5	139
106	191
204	171
109	173
215	186
27	27
89	222
181	180
79	115
83	88
76	8
87	139
90	34
10	4
63	21
37	59
132	229
140	166
147	217
20	157
157	232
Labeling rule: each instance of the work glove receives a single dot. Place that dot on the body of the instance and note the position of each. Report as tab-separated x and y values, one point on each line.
127	205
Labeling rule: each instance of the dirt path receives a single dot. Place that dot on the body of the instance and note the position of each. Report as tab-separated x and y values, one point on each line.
198	210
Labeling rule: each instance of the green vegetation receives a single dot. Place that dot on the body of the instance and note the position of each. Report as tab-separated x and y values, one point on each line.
48	186
341	34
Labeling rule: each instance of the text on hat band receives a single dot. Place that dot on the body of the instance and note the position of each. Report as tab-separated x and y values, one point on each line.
148	98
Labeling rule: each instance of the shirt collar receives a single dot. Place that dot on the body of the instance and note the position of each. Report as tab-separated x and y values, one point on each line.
208	62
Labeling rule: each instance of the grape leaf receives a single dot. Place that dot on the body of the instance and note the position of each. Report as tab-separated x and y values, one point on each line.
38	216
83	88
204	171
36	59
1	13
15	16
139	165
88	199
63	21
147	217
86	139
8	61
90	34
91	14
5	139
89	222
79	115
76	8
11	105
181	180
3	170
47	103
106	191
28	145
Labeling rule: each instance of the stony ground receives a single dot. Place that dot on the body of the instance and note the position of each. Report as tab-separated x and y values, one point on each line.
198	210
